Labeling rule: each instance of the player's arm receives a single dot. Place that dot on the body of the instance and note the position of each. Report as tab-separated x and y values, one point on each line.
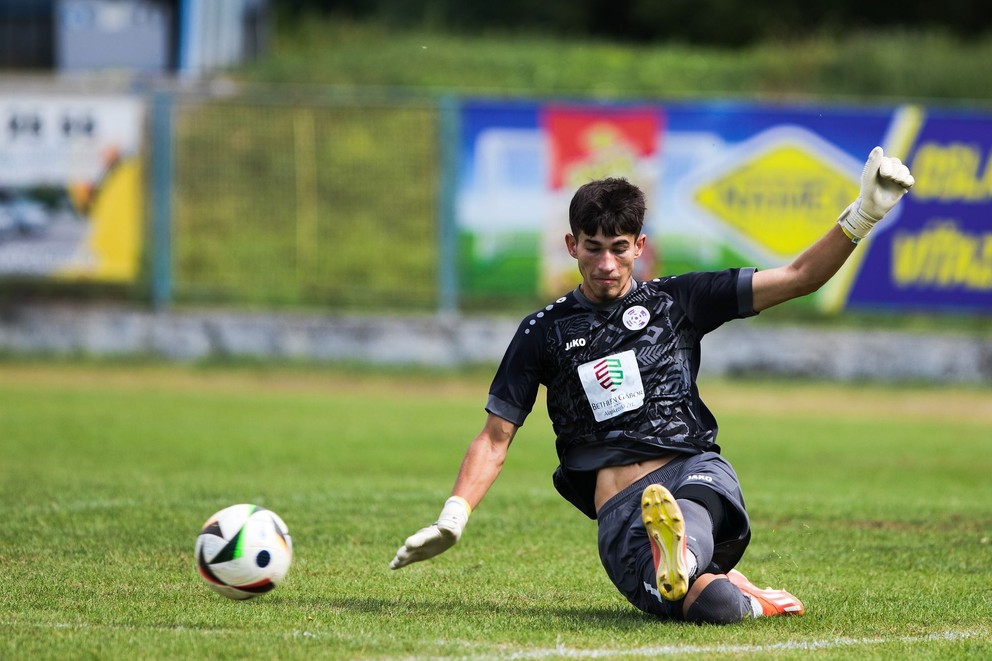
483	460
805	274
884	181
480	467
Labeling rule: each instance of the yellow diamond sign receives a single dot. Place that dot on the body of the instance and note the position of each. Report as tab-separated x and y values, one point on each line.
783	199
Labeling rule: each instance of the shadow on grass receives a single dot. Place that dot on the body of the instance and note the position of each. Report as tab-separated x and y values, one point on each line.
620	618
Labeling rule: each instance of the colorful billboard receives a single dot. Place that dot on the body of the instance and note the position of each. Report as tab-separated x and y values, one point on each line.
70	187
729	184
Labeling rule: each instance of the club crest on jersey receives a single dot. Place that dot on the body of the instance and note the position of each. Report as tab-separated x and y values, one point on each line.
636	317
609	373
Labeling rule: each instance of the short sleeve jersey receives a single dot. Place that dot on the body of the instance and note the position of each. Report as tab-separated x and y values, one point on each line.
621	378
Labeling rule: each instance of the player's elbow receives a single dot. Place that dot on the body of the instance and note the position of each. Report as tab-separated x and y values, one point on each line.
804	281
806	285
491	450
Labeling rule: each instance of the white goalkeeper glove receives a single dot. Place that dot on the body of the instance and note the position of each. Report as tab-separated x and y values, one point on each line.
437	537
883	183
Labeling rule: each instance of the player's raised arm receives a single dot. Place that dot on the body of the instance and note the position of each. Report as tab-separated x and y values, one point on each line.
884	181
481	466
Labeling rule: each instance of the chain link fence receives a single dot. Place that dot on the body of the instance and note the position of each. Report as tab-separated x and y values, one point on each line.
282	200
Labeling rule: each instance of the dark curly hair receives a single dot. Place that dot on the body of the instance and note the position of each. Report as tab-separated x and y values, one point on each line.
613	205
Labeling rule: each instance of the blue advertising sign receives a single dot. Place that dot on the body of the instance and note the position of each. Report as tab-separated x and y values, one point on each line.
937	253
729	184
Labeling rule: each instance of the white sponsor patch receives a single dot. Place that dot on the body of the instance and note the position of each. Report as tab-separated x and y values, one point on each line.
636	317
612	384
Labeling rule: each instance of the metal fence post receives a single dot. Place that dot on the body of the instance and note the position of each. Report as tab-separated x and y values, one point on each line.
161	234
448	232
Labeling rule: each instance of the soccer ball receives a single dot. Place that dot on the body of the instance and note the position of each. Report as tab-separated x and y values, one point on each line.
244	551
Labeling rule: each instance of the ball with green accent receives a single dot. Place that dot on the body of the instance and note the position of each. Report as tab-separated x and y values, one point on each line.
243	551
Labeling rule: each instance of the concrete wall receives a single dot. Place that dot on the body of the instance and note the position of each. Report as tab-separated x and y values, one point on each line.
738	348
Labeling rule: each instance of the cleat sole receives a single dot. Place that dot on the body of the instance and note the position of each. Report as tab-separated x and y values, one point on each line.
665	526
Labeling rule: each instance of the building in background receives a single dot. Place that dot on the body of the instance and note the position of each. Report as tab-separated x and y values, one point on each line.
26	34
185	37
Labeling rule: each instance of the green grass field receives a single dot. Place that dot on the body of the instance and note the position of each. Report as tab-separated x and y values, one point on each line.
870	503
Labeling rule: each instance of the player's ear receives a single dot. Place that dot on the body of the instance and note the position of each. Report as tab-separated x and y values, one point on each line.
639	245
572	244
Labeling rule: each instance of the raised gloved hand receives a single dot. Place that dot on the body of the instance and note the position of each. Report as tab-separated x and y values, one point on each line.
437	537
884	181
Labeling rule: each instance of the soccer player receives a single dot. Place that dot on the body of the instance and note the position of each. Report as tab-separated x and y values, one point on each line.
635	442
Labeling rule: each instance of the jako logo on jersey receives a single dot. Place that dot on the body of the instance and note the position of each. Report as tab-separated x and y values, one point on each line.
609	373
699	478
579	342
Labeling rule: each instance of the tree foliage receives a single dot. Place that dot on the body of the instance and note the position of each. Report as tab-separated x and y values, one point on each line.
712	22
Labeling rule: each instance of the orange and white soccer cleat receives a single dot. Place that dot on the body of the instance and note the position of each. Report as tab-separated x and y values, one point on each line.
665	526
770	602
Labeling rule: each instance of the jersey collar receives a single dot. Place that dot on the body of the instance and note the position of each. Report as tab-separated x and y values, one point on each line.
603	307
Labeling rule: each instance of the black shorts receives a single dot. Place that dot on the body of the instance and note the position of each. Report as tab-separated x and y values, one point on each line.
624	548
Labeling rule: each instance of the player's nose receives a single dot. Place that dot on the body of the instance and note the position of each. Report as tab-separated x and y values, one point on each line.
607	263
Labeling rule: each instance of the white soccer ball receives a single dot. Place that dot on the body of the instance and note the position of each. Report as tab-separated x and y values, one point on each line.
244	551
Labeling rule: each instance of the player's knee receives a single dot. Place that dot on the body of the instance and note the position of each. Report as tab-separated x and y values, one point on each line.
719	602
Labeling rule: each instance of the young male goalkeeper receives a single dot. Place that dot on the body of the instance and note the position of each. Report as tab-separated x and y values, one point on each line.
636	444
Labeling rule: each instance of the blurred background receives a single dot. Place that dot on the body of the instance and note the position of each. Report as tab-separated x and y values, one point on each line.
325	161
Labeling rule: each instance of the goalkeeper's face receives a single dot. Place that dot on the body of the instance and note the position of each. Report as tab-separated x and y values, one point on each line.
606	263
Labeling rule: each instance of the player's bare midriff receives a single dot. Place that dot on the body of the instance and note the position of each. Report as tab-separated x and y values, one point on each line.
613	479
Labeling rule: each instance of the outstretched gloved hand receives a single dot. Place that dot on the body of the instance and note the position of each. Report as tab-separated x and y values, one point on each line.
437	537
884	181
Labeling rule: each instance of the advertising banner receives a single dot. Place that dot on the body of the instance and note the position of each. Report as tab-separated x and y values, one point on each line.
585	144
70	187
938	252
729	184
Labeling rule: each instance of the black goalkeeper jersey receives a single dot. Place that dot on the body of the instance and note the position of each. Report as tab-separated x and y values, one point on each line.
620	378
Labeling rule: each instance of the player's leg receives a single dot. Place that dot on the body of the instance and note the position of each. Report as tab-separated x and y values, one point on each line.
713	599
681	536
709	481
699	532
725	599
768	602
625	550
669	523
